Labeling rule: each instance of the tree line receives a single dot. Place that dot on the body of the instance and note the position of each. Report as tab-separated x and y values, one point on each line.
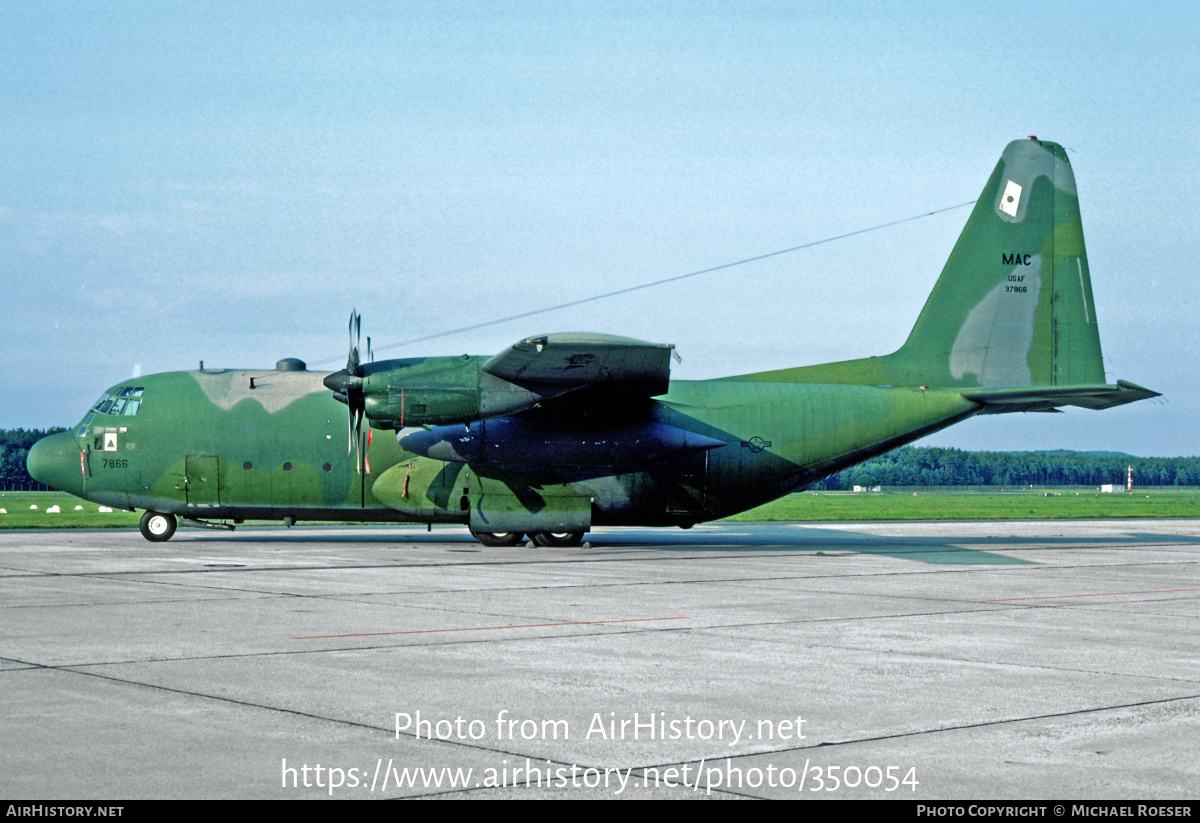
932	466
14	448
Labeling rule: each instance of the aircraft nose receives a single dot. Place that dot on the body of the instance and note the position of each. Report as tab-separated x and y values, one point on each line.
54	460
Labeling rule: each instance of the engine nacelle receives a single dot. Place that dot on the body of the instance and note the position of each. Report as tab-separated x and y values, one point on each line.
437	391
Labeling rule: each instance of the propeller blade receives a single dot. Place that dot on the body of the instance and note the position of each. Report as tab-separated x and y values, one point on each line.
355	339
347	386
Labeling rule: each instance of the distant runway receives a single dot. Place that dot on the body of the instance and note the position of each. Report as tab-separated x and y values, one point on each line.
1055	660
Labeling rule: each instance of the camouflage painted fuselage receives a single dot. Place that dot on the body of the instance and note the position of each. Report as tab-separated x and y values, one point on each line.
207	445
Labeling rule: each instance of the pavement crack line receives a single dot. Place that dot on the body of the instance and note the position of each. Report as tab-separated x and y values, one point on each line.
949	729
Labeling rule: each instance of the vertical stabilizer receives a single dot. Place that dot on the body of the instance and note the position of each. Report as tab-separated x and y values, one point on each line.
1013	306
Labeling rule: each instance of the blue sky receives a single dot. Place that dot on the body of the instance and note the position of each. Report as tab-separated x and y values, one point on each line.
225	182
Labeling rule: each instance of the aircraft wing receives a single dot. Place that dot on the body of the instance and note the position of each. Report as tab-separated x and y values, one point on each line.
574	360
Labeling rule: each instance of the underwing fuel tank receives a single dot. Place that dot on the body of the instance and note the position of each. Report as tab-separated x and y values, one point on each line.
514	442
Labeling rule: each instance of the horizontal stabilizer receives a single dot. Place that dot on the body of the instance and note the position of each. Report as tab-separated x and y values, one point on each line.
1049	398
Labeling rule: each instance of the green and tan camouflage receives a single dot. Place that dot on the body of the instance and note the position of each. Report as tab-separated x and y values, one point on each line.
564	432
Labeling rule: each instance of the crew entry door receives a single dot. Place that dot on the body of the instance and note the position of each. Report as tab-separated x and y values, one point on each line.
203	490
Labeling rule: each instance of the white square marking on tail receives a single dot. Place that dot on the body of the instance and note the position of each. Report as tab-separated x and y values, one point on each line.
1010	199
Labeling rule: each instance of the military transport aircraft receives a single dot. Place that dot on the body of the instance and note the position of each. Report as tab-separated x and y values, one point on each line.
563	432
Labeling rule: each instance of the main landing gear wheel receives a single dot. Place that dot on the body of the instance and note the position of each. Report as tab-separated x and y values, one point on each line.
156	527
558	539
498	538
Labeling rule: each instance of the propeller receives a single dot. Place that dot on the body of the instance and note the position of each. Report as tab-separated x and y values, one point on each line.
347	387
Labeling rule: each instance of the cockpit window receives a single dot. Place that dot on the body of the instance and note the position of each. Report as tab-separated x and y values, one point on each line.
82	430
126	400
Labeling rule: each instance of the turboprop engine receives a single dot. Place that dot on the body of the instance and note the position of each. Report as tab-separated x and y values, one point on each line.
429	391
438	391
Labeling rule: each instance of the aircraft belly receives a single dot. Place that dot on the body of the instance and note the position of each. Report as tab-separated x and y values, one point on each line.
782	437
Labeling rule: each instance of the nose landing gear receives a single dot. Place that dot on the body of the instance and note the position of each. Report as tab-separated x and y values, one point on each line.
156	527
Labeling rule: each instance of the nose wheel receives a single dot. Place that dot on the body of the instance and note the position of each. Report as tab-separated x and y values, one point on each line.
156	527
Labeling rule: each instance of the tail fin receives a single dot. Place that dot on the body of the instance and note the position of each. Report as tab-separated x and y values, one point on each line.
1013	306
1010	321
